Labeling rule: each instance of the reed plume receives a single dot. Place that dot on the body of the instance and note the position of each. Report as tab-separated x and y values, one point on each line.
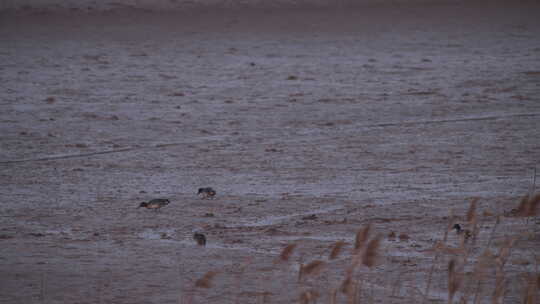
533	205
206	280
336	249
471	213
370	254
312	268
286	252
528	206
361	237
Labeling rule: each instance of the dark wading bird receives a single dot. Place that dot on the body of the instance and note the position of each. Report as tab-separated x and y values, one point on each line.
199	238
206	192
155	203
466	233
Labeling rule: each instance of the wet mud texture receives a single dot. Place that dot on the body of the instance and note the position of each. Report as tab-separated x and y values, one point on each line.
308	123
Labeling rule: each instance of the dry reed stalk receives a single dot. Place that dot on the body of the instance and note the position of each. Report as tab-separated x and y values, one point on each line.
472	218
530	292
286	253
42	289
356	260
504	252
356	293
500	260
300	271
480	272
454	281
534	181
351	289
451	222
370	254
372	296
265	296
498	293
361	237
475	230
435	260
206	280
484	261
187	299
480	266
336	249
347	284
238	277
492	233
333	296
397	284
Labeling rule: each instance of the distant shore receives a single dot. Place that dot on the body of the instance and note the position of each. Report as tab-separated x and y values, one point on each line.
161	5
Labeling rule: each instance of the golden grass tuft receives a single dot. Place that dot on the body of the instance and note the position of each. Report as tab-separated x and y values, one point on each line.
361	237
336	249
370	254
206	280
286	252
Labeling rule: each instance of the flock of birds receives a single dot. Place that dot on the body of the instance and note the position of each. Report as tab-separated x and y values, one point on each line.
157	203
209	192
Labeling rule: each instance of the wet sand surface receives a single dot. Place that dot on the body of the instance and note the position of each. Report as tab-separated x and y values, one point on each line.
308	123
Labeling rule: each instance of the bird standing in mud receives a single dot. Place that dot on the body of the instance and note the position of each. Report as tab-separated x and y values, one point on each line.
207	192
199	238
466	233
155	203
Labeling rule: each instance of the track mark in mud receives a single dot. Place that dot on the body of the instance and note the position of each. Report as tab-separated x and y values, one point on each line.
322	238
68	156
168	236
273	219
165	145
427	122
